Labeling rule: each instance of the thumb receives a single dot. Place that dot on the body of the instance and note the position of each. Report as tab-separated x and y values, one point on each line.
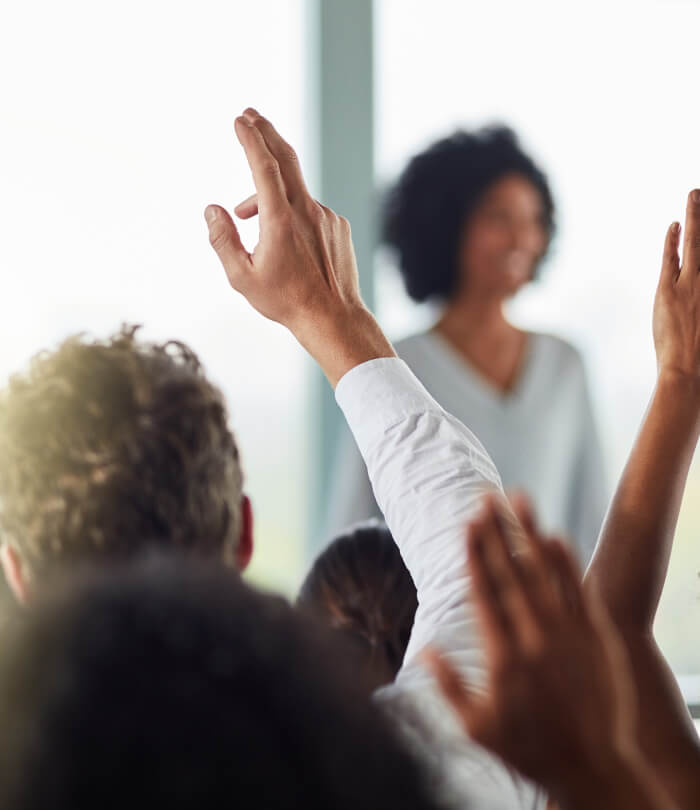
224	238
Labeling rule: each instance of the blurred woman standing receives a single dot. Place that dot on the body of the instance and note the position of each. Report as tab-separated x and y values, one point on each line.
471	219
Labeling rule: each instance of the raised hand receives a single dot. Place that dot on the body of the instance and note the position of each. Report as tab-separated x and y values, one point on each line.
559	700
676	323
302	273
630	562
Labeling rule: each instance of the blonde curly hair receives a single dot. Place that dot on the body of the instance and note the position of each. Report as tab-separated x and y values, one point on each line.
108	448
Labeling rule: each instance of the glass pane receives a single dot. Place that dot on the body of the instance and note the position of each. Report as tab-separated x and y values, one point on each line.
117	131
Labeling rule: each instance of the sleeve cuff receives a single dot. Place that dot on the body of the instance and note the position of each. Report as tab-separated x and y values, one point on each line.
375	395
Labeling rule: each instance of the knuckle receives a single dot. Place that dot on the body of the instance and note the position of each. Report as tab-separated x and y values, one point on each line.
270	167
288	154
316	212
283	221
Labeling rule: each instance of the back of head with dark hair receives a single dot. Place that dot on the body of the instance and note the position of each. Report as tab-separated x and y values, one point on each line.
360	586
175	685
425	211
110	446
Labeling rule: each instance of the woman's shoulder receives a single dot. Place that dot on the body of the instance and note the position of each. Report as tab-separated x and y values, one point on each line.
558	358
555	346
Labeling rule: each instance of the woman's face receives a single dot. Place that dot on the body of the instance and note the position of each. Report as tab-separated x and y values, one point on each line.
503	239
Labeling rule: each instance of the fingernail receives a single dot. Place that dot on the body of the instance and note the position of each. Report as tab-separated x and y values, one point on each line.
676	228
250	112
696	195
243	120
210	214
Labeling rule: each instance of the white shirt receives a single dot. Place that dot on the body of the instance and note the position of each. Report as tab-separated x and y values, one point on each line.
429	472
541	435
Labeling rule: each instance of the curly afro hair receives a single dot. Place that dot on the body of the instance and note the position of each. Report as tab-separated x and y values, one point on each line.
425	211
111	447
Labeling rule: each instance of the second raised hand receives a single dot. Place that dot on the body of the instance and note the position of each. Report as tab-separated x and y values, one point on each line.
677	302
303	272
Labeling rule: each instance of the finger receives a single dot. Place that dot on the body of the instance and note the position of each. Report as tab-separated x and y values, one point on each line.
567	576
533	562
493	620
225	240
248	208
452	684
691	243
506	577
523	511
267	176
671	263
283	152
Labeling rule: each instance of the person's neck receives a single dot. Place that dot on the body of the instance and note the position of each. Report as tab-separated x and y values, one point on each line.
478	330
470	320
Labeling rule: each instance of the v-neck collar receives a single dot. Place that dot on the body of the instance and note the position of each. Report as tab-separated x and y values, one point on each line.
463	370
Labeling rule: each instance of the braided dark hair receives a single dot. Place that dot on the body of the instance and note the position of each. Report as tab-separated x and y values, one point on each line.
359	585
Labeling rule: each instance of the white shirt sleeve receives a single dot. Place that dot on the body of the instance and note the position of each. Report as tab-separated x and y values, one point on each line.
429	473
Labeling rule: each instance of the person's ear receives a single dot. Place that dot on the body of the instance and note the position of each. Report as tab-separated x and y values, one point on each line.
245	544
14	572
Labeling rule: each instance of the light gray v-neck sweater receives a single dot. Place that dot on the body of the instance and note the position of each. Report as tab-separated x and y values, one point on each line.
541	435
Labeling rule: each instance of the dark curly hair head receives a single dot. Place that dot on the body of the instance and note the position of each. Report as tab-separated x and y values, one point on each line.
425	211
361	586
110	447
170	683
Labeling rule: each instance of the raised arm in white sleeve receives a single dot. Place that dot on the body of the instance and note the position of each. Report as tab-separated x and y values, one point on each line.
429	473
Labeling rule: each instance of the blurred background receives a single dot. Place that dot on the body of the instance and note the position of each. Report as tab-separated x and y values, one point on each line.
117	129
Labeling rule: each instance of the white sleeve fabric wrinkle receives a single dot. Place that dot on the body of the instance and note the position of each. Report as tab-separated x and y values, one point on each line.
429	474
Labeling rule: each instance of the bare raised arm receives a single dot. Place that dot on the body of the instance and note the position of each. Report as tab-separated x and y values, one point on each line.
631	559
302	273
630	562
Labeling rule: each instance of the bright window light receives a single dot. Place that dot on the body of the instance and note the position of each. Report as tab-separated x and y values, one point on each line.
117	130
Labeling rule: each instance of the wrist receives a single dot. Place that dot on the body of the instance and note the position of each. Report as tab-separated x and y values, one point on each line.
341	338
679	390
683	382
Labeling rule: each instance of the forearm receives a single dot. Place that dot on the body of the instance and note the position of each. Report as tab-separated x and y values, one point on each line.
625	782
631	558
